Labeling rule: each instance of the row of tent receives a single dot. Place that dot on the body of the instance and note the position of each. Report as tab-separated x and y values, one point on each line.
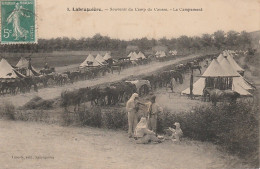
223	66
98	61
160	54
173	52
10	72
133	56
229	56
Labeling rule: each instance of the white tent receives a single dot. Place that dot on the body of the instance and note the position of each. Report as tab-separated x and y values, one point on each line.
239	84
7	71
107	56
24	63
162	54
216	70
234	64
100	59
220	57
223	69
130	54
141	55
198	87
90	61
134	56
228	68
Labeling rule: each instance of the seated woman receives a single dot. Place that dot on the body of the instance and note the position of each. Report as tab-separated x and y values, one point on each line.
143	135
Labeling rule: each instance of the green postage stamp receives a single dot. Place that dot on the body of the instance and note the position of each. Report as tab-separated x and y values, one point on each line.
18	22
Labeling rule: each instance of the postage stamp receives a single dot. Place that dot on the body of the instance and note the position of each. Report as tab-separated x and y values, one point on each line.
18	22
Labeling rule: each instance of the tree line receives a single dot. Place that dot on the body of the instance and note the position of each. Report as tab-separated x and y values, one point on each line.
218	40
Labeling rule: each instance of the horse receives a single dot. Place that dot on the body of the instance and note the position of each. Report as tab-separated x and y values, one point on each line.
154	81
61	79
47	71
216	95
74	98
176	75
116	67
73	76
198	67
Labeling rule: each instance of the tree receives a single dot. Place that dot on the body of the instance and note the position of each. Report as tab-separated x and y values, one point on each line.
206	40
232	39
244	40
219	39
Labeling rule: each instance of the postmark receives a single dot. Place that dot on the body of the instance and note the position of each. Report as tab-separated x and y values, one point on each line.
18	22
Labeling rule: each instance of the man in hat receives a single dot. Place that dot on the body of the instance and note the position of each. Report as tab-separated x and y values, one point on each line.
153	111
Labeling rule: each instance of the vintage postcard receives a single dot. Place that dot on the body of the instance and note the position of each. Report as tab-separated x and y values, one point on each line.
170	84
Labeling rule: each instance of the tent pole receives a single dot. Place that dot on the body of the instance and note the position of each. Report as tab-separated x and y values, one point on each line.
191	84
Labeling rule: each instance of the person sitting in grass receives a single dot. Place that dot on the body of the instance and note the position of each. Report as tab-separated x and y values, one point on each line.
176	133
143	135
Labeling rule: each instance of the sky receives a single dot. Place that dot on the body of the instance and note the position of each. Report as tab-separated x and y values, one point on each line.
53	19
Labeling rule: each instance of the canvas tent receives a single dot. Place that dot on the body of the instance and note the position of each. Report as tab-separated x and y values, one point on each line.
107	56
198	87
220	57
7	71
234	64
239	84
223	70
100	59
130	54
29	69
162	54
134	56
141	55
173	52
90	61
214	70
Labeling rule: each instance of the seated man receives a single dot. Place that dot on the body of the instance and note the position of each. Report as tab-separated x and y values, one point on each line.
143	135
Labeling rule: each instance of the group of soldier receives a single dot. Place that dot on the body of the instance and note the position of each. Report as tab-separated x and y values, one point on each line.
146	130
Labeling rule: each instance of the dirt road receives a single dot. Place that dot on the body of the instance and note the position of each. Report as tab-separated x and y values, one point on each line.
53	92
51	146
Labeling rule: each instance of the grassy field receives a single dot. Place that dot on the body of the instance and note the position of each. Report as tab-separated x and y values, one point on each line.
54	59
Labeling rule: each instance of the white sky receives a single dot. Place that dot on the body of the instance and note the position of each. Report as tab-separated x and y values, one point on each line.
55	21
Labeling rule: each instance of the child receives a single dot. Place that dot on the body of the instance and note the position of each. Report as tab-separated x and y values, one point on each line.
176	133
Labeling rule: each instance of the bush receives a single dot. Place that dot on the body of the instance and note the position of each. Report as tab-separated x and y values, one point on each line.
67	119
38	103
32	115
232	126
8	111
115	119
90	117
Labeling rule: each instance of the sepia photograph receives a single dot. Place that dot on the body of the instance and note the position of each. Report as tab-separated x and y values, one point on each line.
114	84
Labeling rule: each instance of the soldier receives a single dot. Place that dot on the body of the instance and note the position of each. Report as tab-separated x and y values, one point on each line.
153	111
